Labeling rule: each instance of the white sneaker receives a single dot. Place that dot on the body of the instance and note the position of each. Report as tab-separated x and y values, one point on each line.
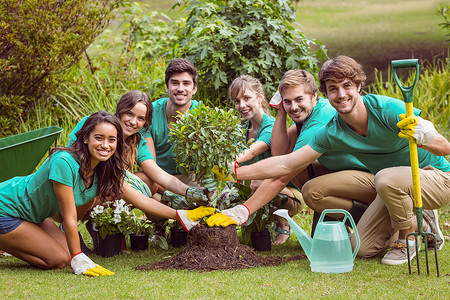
432	218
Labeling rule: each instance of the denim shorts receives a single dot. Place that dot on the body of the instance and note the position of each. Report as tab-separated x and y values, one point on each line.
8	224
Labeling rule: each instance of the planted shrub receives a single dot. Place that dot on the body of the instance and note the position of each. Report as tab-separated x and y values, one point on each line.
228	38
39	40
206	137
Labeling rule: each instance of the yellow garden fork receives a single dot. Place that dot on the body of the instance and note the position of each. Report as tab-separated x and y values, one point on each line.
408	98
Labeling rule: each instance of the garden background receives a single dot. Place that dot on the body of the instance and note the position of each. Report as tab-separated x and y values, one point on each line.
133	53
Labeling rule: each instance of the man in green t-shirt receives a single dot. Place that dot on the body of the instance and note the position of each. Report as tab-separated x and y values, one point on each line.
298	98
181	84
368	127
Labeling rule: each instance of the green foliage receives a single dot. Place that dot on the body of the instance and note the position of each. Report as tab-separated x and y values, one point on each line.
228	38
205	137
39	40
431	95
140	225
444	11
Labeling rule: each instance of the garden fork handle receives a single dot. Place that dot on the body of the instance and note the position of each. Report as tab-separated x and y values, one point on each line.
408	93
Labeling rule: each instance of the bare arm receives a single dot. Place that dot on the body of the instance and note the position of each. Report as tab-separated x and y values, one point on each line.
439	146
147	205
151	146
66	201
161	177
267	191
278	166
282	139
255	149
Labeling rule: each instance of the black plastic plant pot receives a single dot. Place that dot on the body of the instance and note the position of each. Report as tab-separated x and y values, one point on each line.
138	242
261	240
110	245
178	237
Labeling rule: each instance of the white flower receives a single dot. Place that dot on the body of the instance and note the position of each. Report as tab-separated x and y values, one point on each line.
97	210
117	218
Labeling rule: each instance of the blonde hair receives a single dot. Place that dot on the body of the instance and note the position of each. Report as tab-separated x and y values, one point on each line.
244	82
296	78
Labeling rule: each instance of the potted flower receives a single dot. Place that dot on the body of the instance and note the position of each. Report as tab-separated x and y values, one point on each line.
139	230
259	229
111	220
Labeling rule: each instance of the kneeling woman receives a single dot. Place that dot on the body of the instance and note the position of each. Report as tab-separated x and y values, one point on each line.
71	177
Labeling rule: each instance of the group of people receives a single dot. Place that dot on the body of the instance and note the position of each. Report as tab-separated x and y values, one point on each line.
341	152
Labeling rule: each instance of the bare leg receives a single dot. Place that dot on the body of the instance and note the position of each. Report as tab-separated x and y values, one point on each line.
41	245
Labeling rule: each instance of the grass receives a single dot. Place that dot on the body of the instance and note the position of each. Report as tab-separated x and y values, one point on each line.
369	279
368	30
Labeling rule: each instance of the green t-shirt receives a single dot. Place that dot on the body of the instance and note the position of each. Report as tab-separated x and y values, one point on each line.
143	153
322	113
32	198
159	131
381	148
264	134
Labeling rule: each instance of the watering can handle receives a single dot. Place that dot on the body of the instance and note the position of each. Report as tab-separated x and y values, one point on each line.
347	215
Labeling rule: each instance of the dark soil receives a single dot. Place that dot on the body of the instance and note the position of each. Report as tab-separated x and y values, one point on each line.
216	248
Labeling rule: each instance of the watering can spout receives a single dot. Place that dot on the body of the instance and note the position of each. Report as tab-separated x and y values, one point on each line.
303	238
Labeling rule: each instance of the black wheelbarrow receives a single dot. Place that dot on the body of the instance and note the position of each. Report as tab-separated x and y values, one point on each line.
21	153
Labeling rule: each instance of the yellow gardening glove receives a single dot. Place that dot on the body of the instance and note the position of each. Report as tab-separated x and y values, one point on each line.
220	220
221	174
81	264
190	218
200	212
416	129
237	215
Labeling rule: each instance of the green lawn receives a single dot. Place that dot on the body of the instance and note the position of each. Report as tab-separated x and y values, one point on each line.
294	280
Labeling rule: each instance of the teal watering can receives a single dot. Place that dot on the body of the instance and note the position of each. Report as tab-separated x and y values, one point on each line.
330	250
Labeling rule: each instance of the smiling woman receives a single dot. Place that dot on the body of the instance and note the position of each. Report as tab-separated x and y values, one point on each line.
71	177
102	143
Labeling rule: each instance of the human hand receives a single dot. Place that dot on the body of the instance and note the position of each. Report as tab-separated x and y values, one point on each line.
237	215
221	174
81	264
197	195
276	101
190	218
416	129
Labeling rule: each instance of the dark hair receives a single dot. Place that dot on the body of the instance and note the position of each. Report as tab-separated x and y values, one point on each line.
129	100
296	78
109	173
243	82
338	69
180	65
125	104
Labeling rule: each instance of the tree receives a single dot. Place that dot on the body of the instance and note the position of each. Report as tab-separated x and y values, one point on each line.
39	39
228	38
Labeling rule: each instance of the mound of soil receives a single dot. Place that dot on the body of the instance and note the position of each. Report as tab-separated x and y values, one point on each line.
216	248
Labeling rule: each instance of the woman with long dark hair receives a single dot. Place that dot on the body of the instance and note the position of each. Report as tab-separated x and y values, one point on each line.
71	177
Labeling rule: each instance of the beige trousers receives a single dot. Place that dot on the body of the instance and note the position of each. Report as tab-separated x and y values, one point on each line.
393	208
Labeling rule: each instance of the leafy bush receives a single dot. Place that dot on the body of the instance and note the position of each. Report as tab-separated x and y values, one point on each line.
228	38
206	137
39	40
